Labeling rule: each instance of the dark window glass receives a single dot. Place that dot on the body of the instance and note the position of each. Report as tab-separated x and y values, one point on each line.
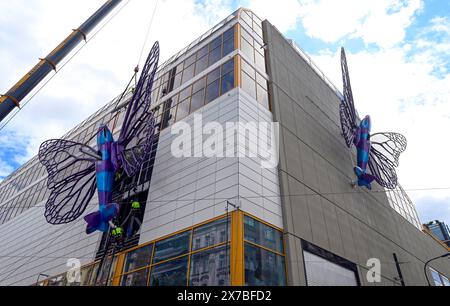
229	34
248	85
211	234
188	73
184	94
200	84
177	80
227	82
213	76
215	56
203	51
173	273
172	247
228	47
137	279
190	60
263	235
216	43
138	259
210	268
263	268
228	66
201	65
183	109
198	101
212	91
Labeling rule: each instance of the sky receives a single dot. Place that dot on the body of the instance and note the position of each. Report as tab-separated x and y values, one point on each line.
398	53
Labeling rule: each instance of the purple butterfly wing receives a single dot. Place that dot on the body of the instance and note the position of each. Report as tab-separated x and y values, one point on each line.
347	107
136	137
71	179
384	157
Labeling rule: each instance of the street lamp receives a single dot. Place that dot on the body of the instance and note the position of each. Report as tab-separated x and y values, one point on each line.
428	262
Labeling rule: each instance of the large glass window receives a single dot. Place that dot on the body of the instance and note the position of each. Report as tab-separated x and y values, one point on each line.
211	234
196	63
263	268
263	235
210	268
138	259
172	273
264	259
136	279
172	247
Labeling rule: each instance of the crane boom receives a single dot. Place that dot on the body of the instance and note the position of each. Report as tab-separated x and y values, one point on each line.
12	99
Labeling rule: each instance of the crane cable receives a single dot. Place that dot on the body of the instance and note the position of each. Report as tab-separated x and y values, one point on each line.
136	69
62	66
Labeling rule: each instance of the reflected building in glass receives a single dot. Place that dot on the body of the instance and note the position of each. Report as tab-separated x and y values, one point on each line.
301	223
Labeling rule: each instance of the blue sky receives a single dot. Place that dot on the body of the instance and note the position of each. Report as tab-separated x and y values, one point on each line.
398	52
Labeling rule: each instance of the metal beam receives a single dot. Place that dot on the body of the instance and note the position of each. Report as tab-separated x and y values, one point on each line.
12	99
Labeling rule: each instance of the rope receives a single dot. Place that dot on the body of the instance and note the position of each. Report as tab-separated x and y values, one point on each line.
148	34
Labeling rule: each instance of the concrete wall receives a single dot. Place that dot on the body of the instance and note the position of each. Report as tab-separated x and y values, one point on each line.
187	191
319	204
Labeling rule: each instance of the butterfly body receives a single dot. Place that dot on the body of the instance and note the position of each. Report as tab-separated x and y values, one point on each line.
363	146
105	173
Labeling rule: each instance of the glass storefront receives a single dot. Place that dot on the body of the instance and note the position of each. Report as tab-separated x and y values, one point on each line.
200	256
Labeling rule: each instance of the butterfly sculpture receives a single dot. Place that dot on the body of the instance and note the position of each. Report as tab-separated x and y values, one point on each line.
76	170
377	154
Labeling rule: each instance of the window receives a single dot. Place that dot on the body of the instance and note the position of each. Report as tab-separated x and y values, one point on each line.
263	235
264	259
249	85
210	268
172	247
326	269
183	109
172	273
138	259
216	231
198	100
436	278
136	279
263	268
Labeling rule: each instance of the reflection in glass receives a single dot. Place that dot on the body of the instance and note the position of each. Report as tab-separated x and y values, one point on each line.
227	82
211	234
172	247
248	85
137	279
138	259
212	92
263	268
215	56
263	235
210	268
198	101
173	273
183	109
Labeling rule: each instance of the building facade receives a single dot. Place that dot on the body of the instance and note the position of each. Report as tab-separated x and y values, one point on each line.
440	230
228	220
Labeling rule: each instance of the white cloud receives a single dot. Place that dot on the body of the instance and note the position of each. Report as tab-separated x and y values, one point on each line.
382	22
283	15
